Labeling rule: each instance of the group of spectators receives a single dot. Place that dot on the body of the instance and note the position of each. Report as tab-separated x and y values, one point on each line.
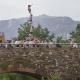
36	43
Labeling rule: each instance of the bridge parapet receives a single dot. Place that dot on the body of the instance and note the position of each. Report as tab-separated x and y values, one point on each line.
39	45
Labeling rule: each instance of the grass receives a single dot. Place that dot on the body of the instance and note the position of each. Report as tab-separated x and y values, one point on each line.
15	76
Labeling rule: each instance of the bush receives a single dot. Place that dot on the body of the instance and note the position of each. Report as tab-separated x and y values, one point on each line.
53	77
15	76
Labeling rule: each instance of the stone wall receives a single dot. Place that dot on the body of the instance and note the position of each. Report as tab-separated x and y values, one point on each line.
43	61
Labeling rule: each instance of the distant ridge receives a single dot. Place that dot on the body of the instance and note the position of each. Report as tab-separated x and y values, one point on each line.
61	26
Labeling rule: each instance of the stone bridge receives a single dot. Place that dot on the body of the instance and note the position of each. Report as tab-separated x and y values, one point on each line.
43	61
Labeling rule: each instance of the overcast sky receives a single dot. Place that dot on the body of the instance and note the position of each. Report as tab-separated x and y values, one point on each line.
18	8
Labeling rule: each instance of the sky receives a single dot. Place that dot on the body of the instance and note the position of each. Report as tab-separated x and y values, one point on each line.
18	8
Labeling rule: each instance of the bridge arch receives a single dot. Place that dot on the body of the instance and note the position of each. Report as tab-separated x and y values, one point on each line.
65	61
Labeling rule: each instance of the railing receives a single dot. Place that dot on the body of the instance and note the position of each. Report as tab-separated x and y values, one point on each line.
42	45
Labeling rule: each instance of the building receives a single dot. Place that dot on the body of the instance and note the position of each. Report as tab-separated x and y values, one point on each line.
2	37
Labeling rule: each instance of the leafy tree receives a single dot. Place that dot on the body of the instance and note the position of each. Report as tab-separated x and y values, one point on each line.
54	77
51	37
76	34
38	32
23	31
59	39
14	39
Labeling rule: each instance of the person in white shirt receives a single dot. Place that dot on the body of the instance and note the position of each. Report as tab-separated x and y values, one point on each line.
75	45
17	43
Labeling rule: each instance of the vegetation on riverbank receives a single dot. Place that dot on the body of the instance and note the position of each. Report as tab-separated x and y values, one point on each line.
18	76
15	76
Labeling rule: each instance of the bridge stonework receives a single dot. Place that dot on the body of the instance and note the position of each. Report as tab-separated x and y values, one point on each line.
43	61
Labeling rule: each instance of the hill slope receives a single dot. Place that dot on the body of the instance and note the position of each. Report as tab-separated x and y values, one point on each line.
61	26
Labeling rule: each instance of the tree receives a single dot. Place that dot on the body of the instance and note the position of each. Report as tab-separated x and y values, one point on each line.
14	39
38	32
59	39
23	31
76	34
51	37
54	77
41	33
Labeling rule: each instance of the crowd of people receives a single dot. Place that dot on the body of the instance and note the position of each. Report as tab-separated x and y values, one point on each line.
34	43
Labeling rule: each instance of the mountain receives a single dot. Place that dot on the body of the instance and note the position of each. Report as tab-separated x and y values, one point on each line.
61	26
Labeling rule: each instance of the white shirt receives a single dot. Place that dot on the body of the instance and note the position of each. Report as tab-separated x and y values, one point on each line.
75	45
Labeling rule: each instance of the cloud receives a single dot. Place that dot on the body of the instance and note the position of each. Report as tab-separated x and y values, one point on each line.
17	8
